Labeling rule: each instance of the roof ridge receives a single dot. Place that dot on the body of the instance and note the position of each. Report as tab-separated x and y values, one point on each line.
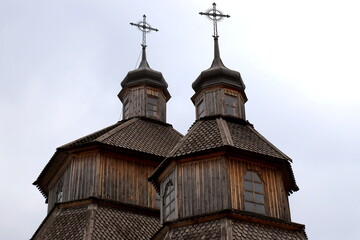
89	135
182	140
114	130
268	142
224	132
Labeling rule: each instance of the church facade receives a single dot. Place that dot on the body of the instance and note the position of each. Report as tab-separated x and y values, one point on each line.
141	179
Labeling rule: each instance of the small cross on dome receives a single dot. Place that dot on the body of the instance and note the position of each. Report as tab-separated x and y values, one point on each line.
145	28
215	15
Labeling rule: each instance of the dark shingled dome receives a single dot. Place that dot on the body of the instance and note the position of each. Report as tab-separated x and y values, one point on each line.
218	74
144	75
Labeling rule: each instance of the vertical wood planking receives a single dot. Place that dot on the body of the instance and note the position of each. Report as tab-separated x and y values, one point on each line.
275	194
203	188
171	177
137	98
107	176
126	181
214	100
65	179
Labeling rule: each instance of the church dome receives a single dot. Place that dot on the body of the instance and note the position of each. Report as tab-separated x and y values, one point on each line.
218	74
144	75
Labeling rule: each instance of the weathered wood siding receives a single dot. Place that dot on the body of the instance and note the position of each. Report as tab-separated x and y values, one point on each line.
203	187
107	176
136	98
214	102
80	179
65	180
276	199
83	177
172	177
125	180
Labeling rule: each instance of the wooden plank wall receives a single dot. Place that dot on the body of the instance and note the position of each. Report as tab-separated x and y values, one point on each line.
126	180
276	199
137	102
83	177
214	100
203	187
65	179
169	177
107	176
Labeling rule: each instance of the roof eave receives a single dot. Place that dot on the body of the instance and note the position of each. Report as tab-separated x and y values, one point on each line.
227	150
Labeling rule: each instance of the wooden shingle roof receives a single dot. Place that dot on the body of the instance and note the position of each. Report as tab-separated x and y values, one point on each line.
232	228
210	133
217	132
143	135
97	219
254	231
140	135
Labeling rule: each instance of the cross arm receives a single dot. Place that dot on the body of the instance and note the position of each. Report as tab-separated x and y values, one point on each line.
214	14
143	26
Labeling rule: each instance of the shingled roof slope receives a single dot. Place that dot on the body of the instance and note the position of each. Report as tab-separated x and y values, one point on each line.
205	230
114	224
254	231
245	137
210	133
138	134
96	221
234	229
202	135
143	135
68	224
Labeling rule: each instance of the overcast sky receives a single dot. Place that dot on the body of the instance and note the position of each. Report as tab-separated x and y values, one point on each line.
62	61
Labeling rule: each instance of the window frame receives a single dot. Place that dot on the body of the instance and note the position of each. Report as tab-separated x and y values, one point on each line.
169	201
231	109
254	193
157	200
59	192
152	108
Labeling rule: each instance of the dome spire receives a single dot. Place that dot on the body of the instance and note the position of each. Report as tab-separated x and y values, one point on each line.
144	91
219	91
217	62
143	63
215	15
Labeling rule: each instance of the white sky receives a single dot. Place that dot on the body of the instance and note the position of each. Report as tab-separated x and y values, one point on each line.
62	61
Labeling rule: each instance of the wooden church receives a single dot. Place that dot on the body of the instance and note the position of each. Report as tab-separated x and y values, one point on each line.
141	179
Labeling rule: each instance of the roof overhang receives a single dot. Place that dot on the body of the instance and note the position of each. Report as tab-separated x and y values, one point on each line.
227	151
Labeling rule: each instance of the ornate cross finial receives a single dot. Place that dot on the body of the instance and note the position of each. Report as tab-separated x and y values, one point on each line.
215	15
145	28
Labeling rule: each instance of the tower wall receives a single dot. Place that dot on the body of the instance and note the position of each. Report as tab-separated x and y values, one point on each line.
215	101
213	184
276	199
135	103
105	175
203	187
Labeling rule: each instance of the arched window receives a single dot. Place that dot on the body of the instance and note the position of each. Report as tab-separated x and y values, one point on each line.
254	193
59	192
169	201
157	200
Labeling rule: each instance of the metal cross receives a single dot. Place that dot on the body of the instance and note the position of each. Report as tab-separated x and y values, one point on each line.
145	28
215	15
